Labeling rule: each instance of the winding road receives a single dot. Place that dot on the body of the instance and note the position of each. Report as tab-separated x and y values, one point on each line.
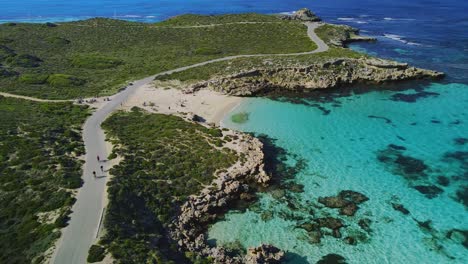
83	228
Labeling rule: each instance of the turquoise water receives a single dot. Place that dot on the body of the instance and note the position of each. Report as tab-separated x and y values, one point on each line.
341	151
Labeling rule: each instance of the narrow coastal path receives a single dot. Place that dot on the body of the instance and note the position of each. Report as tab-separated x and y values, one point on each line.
82	231
33	98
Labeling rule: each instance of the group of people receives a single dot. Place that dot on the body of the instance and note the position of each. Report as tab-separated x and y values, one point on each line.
102	167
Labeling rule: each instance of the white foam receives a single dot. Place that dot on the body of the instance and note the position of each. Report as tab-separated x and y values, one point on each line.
401	39
289	13
398	19
346	18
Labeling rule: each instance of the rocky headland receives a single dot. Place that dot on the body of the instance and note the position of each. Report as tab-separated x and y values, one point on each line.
332	73
238	183
303	14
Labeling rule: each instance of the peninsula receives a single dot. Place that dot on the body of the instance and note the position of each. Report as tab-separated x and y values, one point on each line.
165	169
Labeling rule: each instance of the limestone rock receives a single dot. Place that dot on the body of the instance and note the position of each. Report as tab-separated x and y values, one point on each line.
331	73
264	254
303	14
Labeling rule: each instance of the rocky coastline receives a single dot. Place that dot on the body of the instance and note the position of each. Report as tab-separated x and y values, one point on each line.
238	183
332	73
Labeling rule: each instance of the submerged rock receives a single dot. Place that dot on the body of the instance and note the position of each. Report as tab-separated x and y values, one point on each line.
430	191
444	181
401	208
264	254
332	259
350	240
330	222
346	200
365	224
459	236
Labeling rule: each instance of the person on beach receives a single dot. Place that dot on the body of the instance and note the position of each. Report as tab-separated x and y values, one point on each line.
98	159
102	168
94	174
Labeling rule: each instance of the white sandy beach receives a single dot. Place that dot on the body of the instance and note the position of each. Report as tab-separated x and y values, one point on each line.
210	105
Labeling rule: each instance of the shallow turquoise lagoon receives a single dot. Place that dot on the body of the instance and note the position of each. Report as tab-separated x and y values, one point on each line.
407	148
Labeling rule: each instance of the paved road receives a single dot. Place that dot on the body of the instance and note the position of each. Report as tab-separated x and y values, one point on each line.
82	230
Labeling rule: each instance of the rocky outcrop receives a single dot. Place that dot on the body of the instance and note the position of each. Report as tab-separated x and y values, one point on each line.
321	75
346	200
201	210
264	254
303	14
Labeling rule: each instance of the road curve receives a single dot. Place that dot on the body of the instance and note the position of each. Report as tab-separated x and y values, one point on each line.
83	227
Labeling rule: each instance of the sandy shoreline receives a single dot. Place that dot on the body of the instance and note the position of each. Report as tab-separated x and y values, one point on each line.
210	105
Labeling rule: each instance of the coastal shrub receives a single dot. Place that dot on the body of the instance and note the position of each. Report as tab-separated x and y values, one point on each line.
5	52
96	253
62	221
64	80
240	118
34	159
193	19
58	41
108	53
33	78
207	51
165	159
6	73
24	60
49	24
95	61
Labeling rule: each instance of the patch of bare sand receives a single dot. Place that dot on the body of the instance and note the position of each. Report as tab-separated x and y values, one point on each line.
210	105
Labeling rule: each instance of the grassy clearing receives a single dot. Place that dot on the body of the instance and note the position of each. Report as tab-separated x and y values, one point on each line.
165	160
38	146
98	56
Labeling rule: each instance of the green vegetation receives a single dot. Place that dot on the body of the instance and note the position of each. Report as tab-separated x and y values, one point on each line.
326	32
95	61
33	78
166	159
96	253
64	80
39	143
334	35
104	54
240	118
192	19
211	70
23	60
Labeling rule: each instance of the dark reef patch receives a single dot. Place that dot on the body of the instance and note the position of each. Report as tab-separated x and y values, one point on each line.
462	195
408	167
443	181
430	191
332	259
401	208
412	98
460	141
346	200
459	236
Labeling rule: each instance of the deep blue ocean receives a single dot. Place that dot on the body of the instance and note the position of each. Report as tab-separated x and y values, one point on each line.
402	148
